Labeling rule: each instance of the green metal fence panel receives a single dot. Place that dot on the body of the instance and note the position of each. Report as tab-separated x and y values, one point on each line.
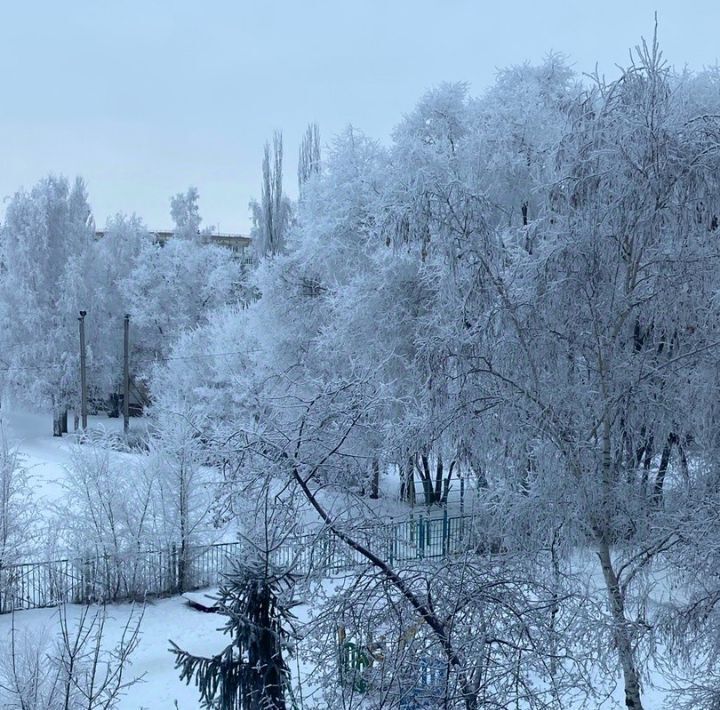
132	575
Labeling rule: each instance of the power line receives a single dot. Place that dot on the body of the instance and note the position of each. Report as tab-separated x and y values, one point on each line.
198	356
140	358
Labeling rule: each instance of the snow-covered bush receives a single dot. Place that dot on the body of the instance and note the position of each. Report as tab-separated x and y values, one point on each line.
19	529
79	668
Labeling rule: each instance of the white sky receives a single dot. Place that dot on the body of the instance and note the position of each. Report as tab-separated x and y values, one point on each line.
143	98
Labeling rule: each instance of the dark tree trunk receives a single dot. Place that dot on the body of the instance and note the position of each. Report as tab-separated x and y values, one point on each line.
662	470
407	491
446	484
644	458
683	460
57	423
439	468
375	480
423	468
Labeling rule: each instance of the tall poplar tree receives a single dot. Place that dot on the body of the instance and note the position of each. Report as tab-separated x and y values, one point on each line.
271	216
309	155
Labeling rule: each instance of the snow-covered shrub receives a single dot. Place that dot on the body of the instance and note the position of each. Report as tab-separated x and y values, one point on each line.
77	669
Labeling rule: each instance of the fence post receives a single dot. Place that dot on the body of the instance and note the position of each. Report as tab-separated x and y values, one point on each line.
445	544
393	536
421	538
181	565
173	568
86	585
110	583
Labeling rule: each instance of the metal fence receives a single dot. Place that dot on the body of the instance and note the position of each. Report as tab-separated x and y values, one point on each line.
137	574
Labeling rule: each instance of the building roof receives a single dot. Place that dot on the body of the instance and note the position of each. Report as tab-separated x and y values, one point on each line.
226	239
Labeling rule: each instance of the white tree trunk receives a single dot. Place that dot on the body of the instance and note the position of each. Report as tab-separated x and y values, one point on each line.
621	631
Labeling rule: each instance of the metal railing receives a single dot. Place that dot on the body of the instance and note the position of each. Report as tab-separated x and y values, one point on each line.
138	574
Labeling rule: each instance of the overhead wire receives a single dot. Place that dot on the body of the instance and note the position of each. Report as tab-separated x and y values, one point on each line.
140	358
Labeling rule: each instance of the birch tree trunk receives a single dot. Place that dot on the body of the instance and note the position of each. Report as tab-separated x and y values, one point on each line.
621	629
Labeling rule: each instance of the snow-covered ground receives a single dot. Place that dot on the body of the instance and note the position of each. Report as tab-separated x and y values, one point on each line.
163	619
46	459
45	456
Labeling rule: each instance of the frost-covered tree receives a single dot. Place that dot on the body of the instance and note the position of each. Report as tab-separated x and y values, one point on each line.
17	508
520	288
111	511
110	262
117	506
173	288
185	212
184	486
271	216
46	233
614	343
309	155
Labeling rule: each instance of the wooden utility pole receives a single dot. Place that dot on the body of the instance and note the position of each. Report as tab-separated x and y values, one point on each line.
126	375
83	373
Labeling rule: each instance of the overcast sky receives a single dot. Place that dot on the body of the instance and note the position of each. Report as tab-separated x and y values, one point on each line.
144	98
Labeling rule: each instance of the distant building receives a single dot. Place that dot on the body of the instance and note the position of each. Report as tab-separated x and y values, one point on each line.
237	243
